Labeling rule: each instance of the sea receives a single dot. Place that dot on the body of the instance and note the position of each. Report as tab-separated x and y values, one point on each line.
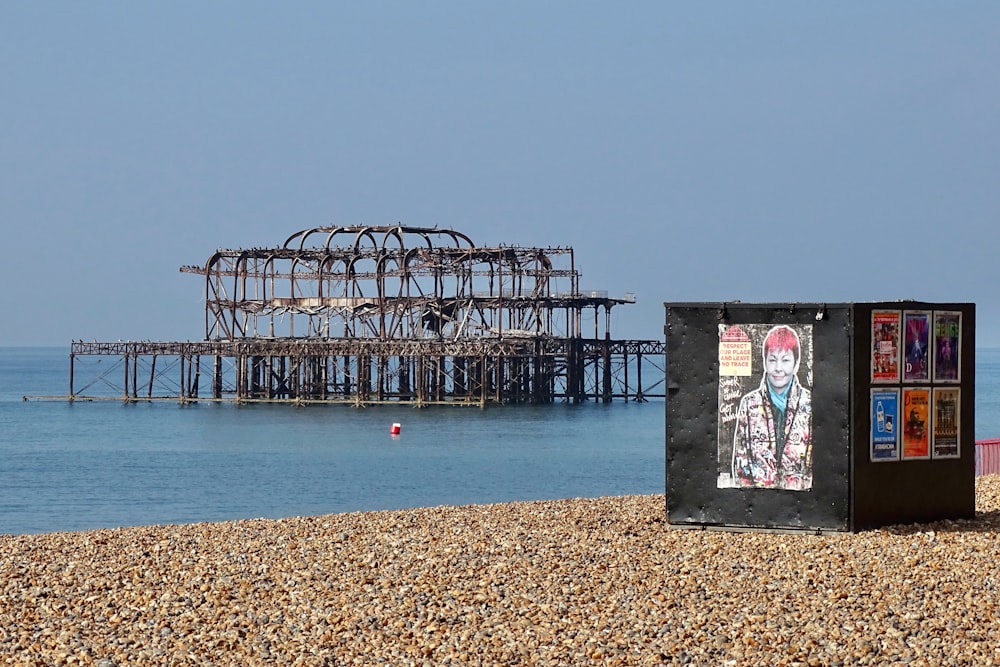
68	466
88	465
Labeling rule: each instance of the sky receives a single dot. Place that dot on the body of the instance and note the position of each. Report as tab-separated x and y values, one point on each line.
688	151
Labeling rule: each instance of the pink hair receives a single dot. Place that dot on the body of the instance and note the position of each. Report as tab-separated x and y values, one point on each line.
782	338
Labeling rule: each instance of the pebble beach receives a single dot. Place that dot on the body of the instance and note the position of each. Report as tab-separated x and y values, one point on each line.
572	582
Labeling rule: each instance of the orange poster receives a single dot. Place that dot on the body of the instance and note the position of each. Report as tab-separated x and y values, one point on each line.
916	423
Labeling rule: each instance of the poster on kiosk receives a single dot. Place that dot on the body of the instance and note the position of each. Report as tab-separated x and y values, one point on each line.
829	417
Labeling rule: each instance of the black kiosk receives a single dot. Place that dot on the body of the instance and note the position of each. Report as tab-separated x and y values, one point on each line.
819	417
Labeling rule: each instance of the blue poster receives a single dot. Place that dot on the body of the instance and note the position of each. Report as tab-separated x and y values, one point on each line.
885	425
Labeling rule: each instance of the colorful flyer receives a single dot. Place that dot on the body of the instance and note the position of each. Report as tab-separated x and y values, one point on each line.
916	346
947	422
916	423
885	346
885	425
947	343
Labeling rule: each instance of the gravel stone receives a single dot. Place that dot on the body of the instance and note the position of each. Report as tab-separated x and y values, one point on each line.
572	582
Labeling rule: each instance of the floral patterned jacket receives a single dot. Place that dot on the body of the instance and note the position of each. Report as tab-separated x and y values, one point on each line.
755	447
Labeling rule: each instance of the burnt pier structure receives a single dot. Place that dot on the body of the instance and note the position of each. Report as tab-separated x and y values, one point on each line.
385	314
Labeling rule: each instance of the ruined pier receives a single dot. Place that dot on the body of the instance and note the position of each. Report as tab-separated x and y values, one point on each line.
392	314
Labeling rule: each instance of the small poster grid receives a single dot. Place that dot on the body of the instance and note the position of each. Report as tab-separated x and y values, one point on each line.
917	354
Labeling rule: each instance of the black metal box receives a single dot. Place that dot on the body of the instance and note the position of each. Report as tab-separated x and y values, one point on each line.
820	417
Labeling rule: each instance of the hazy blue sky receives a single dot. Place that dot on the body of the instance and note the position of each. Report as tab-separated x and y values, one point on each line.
761	151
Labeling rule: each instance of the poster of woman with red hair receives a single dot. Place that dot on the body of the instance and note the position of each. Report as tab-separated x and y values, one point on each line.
765	413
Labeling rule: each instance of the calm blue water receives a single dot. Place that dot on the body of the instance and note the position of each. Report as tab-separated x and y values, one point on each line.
76	466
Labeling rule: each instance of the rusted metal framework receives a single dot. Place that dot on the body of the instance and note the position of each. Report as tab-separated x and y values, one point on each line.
367	314
363	373
393	284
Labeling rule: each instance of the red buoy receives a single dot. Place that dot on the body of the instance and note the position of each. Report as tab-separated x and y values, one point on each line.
394	429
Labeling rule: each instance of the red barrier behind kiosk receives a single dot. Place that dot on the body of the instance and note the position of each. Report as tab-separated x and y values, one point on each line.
988	457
